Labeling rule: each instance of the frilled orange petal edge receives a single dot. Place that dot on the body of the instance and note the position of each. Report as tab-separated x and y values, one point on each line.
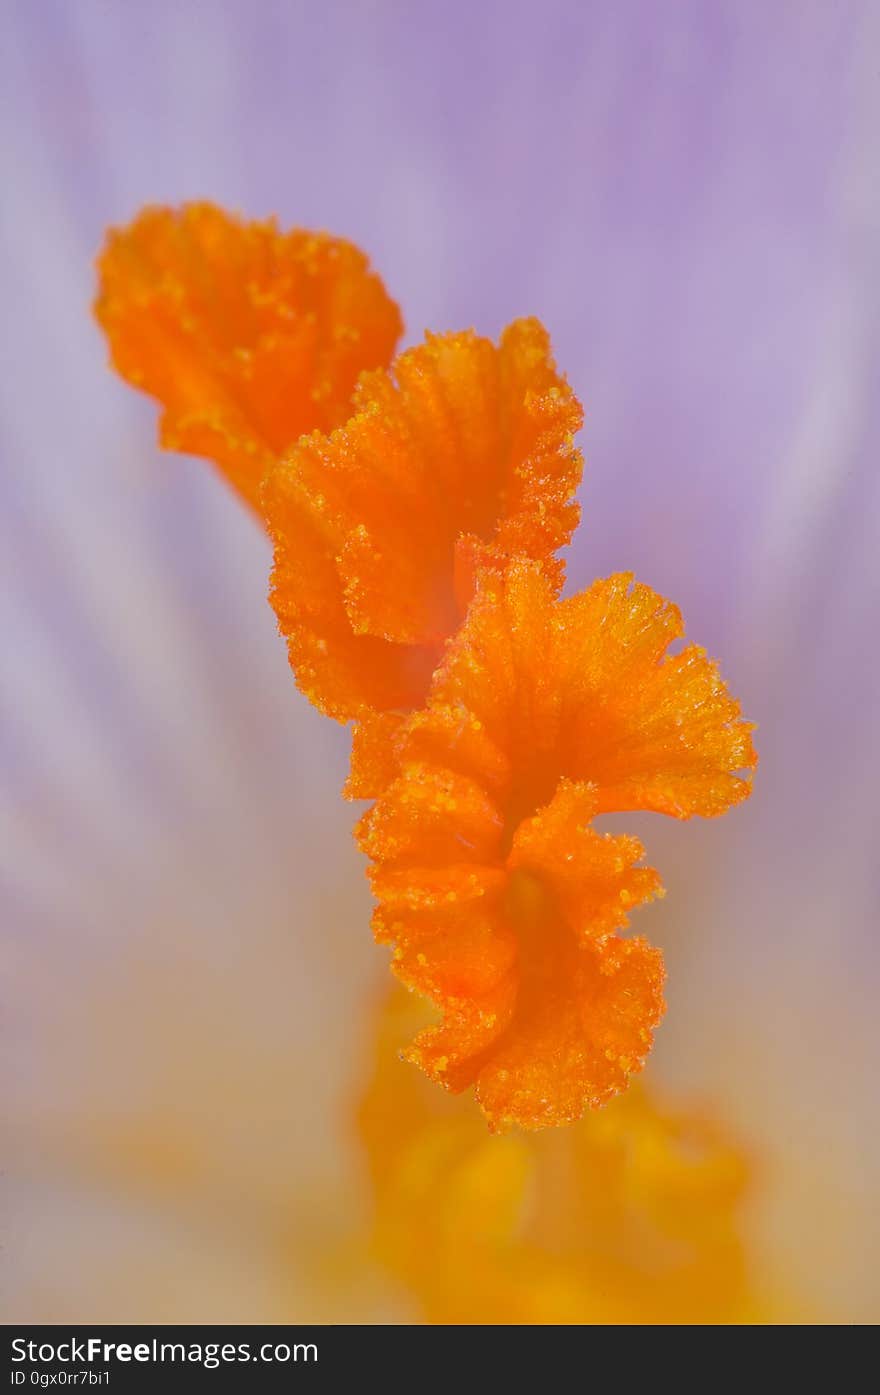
248	336
502	901
535	688
546	1011
459	457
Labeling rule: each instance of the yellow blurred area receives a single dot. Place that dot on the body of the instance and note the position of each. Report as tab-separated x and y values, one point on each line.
635	1215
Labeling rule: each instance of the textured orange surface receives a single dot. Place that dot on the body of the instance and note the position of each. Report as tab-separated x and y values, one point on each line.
502	901
459	457
416	512
247	336
633	1215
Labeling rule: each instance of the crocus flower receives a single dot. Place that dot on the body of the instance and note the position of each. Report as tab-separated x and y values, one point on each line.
458	464
686	196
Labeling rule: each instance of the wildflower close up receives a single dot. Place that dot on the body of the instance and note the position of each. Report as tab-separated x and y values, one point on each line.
416	518
686	196
247	335
501	899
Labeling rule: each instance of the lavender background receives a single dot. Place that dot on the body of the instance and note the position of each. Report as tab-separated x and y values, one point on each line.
688	195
